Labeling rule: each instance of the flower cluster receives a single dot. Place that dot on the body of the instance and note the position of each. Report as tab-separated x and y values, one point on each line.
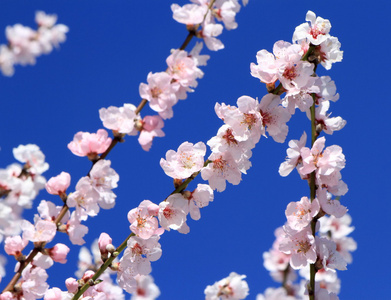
206	14
19	185
231	288
25	44
297	247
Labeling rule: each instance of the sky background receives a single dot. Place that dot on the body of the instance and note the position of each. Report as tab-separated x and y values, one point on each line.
110	49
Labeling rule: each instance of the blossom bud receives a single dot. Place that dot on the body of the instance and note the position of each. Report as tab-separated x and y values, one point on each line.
103	242
58	185
59	253
72	285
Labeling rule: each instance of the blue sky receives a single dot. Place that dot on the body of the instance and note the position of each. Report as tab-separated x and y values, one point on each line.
112	46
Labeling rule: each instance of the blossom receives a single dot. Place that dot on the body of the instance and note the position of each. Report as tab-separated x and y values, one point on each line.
58	185
301	246
293	155
187	160
142	222
173	212
140	252
14	245
90	144
274	117
120	119
42	231
151	128
317	33
34	282
160	93
221	168
32	156
146	288
299	214
231	288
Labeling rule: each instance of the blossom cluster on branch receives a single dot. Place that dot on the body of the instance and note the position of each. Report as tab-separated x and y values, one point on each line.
313	240
26	44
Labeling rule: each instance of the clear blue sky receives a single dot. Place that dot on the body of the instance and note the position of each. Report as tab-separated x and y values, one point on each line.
113	45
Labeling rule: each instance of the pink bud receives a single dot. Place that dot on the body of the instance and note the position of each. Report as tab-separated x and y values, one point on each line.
59	253
59	184
88	275
104	240
152	122
72	285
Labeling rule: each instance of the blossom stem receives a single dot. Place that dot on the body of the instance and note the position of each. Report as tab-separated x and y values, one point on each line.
311	288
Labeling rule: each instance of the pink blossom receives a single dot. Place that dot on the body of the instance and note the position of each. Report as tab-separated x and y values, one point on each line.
59	253
151	128
42	231
146	288
183	70
84	199
90	144
245	120
317	33
234	287
221	168
140	252
209	33
103	180
330	52
120	119
142	223
76	230
329	206
189	14
293	155
14	245
187	160
323	120
274	117
57	294
173	212
160	93
299	214
32	156
34	282
327	252
275	294
301	246
58	185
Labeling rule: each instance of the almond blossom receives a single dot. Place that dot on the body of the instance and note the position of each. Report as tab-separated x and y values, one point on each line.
160	93
187	160
301	246
142	222
151	128
146	288
90	144
222	168
231	288
299	214
120	119
59	184
317	33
